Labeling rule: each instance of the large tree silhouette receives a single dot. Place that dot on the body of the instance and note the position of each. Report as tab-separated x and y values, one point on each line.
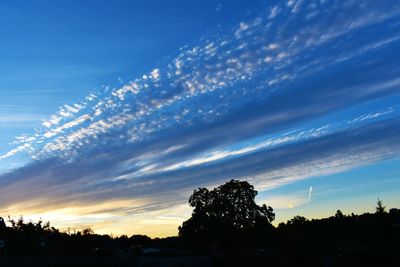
226	216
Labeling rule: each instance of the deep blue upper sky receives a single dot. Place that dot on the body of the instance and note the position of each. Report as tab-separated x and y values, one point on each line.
55	52
114	112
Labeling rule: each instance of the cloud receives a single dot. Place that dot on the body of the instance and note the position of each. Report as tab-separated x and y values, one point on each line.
68	125
274	11
185	83
15	151
259	101
20	118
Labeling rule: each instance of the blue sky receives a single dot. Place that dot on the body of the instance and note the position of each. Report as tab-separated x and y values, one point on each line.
111	114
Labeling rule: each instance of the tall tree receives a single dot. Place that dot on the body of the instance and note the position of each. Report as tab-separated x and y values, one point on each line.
224	215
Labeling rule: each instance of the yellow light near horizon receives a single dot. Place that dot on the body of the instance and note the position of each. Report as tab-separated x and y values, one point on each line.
108	217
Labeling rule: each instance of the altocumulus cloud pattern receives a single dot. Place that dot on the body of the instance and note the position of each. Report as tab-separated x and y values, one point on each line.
305	88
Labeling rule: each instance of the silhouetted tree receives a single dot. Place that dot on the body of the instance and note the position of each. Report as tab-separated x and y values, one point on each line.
394	212
380	209
296	220
339	214
219	225
2	224
224	216
24	238
87	231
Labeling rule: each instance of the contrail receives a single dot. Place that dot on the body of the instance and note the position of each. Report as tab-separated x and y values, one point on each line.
309	193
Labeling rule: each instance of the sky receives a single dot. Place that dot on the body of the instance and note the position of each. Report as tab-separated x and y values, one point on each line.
113	112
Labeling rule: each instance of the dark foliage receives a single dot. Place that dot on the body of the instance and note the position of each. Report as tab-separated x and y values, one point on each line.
38	238
340	240
227	228
226	217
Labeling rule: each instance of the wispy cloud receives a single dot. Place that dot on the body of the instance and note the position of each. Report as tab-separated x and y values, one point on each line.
20	118
309	193
251	102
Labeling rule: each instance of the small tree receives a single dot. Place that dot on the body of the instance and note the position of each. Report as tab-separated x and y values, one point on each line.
339	214
87	231
380	209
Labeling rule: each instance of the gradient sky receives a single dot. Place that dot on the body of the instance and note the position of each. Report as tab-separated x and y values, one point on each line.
113	112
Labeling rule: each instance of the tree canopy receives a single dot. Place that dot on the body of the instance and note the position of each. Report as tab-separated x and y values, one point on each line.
225	212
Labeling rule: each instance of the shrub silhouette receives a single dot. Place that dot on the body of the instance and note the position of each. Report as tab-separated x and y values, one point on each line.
25	238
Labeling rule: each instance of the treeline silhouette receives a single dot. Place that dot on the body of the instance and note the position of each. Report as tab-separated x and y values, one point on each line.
227	228
38	238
